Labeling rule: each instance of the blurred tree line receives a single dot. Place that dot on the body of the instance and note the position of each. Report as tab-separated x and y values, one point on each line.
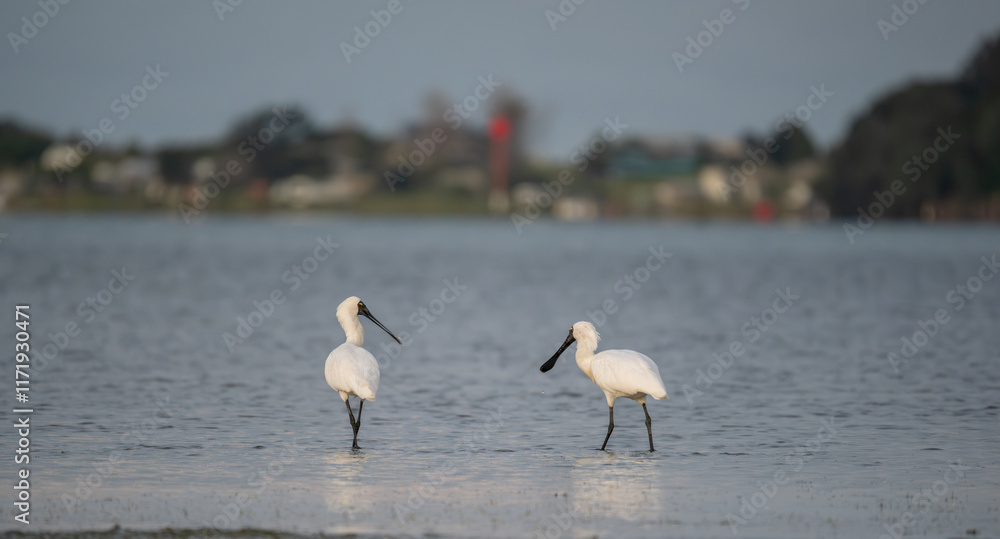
891	141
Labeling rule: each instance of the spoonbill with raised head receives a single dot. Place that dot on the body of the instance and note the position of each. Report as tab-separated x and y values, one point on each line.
350	369
619	373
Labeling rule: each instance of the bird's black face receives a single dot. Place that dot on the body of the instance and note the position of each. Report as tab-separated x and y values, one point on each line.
552	360
363	311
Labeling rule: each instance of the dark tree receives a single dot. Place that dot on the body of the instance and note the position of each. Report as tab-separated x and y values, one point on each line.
261	142
896	137
19	145
793	145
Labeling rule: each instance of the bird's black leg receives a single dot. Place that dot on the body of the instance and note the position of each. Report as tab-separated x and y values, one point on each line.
357	426
350	414
611	425
649	427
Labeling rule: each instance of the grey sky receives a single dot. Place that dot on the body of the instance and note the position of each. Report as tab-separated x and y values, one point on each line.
607	59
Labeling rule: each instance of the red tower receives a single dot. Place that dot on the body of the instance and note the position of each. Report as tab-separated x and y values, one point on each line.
499	200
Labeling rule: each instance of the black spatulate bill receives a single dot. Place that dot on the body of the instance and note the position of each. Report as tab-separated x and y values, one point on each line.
570	339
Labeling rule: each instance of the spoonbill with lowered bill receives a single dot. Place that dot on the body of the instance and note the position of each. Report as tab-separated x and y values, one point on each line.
350	369
619	373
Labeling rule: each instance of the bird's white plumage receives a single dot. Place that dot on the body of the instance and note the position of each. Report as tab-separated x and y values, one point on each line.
619	373
629	374
350	369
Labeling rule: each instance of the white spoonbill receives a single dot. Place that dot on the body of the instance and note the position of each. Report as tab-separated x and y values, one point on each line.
619	373
350	369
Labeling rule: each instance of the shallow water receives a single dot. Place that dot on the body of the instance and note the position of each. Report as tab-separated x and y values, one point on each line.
146	419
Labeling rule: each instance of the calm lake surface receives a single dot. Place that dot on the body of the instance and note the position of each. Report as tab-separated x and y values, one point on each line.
148	419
